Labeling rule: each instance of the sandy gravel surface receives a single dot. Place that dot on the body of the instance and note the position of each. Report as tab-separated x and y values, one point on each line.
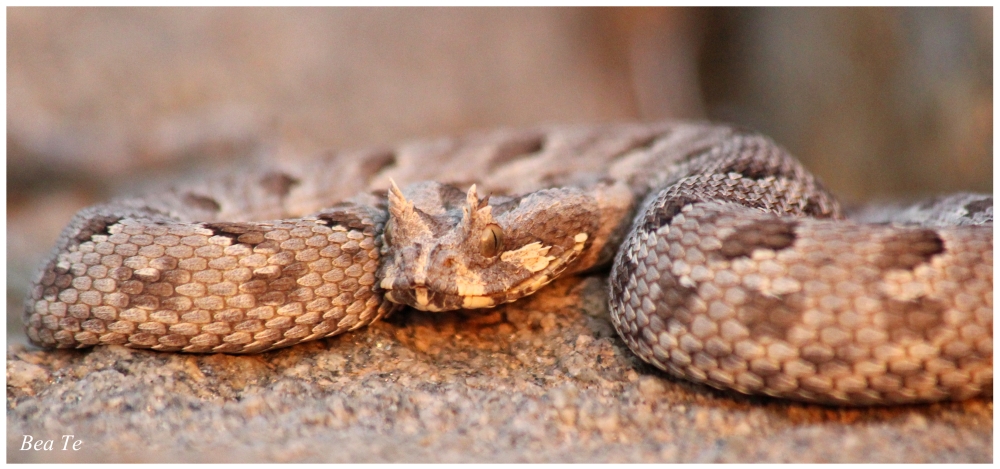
543	380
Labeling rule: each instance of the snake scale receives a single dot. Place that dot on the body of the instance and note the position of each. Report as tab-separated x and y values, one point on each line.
731	265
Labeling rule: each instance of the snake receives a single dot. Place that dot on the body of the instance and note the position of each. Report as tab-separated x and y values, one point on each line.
730	264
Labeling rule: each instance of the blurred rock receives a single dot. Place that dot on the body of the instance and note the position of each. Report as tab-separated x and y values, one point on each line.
879	102
110	91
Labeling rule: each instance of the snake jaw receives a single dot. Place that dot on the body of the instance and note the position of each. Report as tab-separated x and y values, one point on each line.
468	294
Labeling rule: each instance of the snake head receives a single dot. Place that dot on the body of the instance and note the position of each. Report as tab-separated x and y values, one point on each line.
445	249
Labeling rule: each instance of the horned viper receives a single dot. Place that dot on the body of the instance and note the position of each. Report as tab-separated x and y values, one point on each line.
731	264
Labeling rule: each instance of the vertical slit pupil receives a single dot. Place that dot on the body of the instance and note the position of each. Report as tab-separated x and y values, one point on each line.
491	241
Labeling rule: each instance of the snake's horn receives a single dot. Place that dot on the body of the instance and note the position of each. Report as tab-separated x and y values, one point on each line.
394	190
471	199
476	212
398	205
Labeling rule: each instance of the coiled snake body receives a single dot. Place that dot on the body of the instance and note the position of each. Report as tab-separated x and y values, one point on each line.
732	266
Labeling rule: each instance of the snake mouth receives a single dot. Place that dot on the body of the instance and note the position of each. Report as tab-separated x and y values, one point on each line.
427	298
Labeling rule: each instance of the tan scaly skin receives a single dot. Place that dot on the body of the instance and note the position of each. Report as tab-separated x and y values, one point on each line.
732	265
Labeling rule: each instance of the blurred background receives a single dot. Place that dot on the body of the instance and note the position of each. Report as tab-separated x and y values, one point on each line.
880	103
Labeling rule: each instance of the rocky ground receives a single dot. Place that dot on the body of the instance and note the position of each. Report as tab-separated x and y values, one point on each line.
878	102
544	380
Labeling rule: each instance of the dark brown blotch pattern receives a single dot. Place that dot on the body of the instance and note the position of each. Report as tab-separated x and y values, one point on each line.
776	234
278	183
910	248
979	206
201	202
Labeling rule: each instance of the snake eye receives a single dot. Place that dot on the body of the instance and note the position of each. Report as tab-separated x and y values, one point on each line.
491	241
386	236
